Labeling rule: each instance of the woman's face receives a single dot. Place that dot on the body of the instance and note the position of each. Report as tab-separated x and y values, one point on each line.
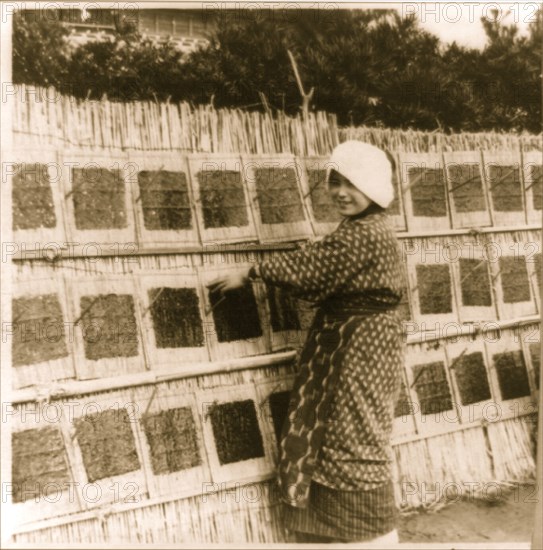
348	199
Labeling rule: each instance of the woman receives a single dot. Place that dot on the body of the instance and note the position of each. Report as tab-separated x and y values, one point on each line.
334	471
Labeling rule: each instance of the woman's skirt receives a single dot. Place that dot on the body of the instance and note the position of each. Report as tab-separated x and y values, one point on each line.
349	516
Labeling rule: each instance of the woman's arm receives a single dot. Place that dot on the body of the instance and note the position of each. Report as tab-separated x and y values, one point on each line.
320	268
323	266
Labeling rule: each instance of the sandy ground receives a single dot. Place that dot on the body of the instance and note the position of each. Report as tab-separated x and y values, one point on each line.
506	519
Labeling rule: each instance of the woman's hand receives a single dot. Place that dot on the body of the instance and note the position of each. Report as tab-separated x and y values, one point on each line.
229	281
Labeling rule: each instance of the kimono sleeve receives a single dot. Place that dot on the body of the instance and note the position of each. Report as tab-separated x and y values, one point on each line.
321	267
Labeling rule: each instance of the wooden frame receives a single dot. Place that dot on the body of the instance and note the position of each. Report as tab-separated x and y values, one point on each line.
405	426
264	390
399	221
233	348
243	470
432	423
44	415
491	164
221	163
281	339
282	231
427	257
42	236
505	341
416	221
455	350
509	250
531	159
474	253
534	276
167	161
153	399
105	366
308	187
130	486
460	217
530	335
95	236
48	371
163	358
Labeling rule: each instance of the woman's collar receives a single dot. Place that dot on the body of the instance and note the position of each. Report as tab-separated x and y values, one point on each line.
373	208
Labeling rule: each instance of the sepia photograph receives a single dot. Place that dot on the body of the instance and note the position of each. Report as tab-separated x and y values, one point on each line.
271	274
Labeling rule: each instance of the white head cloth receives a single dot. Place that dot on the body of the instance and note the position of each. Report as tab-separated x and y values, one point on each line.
366	167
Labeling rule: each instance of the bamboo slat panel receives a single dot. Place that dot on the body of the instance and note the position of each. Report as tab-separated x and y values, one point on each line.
273	397
404	426
532	165
170	438
509	377
163	201
172	317
222	199
321	212
96	193
470	378
424	189
235	324
468	195
396	210
37	203
530	338
431	285
503	175
107	318
276	197
43	484
430	390
234	434
510	274
104	454
473	281
41	336
284	326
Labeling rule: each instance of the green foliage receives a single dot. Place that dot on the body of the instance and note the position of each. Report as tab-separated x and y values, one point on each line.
370	67
40	53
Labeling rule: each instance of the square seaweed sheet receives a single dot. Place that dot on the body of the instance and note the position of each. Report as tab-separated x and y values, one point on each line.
171	435
434	286
472	378
467	187
235	314
99	198
107	444
165	200
32	198
428	193
108	322
176	317
236	431
514	278
475	283
39	333
322	205
512	374
505	188
278	195
432	387
223	198
39	463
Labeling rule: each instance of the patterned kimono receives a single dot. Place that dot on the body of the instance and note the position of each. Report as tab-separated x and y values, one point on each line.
335	445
